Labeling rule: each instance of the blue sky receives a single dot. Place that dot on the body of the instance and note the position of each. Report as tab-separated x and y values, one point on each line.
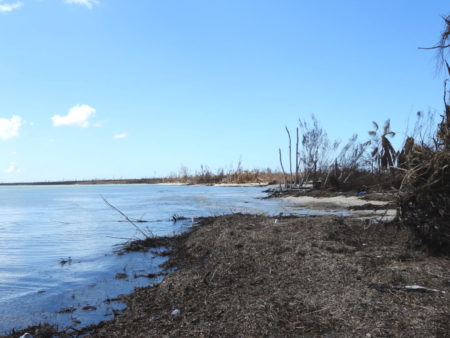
130	89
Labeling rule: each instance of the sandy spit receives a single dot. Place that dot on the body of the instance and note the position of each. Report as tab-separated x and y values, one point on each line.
342	202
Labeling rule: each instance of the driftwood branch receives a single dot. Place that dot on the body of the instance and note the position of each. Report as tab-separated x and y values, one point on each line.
124	216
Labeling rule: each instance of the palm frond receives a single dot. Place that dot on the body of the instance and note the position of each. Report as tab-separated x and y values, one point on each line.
387	127
391	134
374	152
387	145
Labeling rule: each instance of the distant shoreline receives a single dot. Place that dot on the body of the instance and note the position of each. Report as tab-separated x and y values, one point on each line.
205	177
133	181
87	182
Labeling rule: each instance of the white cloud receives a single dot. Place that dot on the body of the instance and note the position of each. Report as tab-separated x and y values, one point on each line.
4	8
9	128
88	3
12	168
121	136
78	115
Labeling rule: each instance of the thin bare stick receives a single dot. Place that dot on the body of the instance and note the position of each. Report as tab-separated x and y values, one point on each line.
282	168
445	92
435	47
290	156
125	216
297	164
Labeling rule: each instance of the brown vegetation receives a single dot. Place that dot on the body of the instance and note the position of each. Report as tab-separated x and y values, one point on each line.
355	166
254	276
424	198
236	175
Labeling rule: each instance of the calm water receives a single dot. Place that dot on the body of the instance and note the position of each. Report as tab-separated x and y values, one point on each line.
41	225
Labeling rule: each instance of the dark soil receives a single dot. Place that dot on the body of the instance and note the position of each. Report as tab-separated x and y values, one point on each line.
256	276
370	206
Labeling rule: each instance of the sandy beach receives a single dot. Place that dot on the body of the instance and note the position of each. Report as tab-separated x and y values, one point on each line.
358	206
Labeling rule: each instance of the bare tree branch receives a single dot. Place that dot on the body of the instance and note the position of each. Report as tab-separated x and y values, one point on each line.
434	47
125	216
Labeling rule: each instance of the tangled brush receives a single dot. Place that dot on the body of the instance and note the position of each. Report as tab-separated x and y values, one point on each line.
424	198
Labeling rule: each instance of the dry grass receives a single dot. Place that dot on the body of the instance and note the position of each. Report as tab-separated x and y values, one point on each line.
425	196
221	176
254	276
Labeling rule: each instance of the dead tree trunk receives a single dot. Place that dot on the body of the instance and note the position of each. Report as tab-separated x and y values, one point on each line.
297	163
290	157
282	168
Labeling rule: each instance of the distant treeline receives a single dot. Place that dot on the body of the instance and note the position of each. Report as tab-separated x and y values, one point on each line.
202	176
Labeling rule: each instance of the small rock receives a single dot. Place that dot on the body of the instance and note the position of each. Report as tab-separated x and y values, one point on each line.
88	308
121	276
67	310
176	312
75	321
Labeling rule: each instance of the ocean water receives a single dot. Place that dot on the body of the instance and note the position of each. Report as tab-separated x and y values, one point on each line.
43	226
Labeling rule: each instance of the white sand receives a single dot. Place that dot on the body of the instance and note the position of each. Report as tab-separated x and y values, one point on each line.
336	202
262	184
344	202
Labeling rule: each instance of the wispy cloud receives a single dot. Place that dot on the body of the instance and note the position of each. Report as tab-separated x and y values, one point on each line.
9	128
121	136
12	168
78	116
88	3
9	7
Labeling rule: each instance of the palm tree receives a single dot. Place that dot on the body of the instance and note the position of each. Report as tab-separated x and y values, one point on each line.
383	152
